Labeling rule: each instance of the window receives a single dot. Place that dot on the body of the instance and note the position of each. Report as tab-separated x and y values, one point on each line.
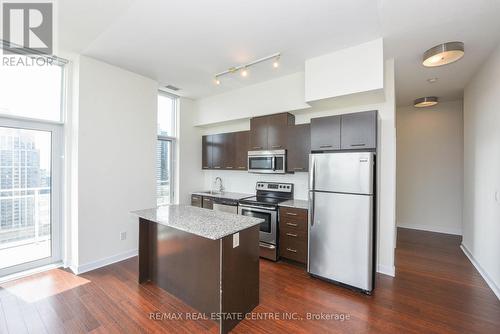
31	144
165	148
34	92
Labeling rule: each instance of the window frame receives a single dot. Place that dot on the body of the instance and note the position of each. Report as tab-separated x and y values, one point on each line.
173	143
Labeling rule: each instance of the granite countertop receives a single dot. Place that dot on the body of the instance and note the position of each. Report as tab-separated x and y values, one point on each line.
205	223
225	194
296	203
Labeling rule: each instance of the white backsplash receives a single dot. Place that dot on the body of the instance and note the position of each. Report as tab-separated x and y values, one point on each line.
244	182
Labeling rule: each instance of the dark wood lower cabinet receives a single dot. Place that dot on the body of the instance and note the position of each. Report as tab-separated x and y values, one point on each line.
208	203
196	200
293	234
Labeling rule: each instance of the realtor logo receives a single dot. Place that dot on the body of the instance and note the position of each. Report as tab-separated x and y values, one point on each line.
28	26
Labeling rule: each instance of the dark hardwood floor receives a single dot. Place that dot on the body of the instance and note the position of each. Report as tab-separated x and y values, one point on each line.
436	290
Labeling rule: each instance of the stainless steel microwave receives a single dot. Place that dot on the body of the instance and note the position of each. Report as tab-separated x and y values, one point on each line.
269	162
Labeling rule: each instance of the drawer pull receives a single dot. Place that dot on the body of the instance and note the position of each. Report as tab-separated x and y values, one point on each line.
257	147
292	224
217	167
291	250
357	145
325	146
298	168
206	167
241	167
276	146
229	167
207	199
291	214
292	235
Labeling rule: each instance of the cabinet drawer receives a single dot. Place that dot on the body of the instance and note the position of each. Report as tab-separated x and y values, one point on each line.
293	250
293	234
293	218
293	224
196	200
208	203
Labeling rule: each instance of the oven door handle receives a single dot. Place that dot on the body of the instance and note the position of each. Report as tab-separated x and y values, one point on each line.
257	208
261	244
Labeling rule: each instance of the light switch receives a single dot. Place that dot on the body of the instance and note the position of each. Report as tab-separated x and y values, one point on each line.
236	240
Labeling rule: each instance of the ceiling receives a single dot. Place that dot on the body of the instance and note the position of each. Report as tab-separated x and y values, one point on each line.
185	42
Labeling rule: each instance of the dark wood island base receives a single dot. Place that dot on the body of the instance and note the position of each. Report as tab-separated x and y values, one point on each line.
219	278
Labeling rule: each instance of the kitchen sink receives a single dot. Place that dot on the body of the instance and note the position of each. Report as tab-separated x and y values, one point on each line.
210	192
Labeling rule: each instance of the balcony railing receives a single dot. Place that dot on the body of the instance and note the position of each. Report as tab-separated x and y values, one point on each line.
25	216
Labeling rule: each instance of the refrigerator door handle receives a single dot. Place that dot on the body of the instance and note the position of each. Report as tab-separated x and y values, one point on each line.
312	174
311	208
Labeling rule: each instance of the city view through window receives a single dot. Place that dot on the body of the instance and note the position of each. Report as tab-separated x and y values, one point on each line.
25	195
164	148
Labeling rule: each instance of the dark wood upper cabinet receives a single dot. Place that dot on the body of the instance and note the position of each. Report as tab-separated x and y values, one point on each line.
206	152
359	130
217	143
325	133
269	132
277	130
241	140
299	147
258	133
229	151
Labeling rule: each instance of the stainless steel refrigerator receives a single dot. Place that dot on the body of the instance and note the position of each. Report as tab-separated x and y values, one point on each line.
341	218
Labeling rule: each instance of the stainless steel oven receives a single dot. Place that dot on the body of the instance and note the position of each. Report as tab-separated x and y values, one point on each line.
268	228
268	162
268	244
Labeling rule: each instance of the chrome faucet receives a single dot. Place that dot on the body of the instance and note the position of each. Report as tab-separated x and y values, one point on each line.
218	185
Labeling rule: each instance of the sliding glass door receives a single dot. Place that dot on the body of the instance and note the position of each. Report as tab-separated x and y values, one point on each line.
30	196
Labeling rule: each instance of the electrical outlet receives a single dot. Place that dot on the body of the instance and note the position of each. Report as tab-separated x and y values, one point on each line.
123	235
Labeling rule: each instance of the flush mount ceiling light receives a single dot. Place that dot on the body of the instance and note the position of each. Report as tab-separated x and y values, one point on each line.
424	102
443	54
243	69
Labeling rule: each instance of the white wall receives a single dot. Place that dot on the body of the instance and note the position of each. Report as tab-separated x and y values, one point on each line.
245	182
278	95
189	153
430	167
352	70
115	167
481	228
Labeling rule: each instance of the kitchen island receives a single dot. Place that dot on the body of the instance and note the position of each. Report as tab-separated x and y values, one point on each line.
208	259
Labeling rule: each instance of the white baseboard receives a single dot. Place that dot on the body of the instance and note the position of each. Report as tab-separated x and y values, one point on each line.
431	228
484	274
386	270
103	262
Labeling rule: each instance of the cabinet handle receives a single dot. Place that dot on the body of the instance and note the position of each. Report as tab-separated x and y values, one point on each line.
325	146
291	214
241	167
291	250
357	145
257	147
206	167
207	199
298	168
292	235
229	167
291	224
276	146
217	167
